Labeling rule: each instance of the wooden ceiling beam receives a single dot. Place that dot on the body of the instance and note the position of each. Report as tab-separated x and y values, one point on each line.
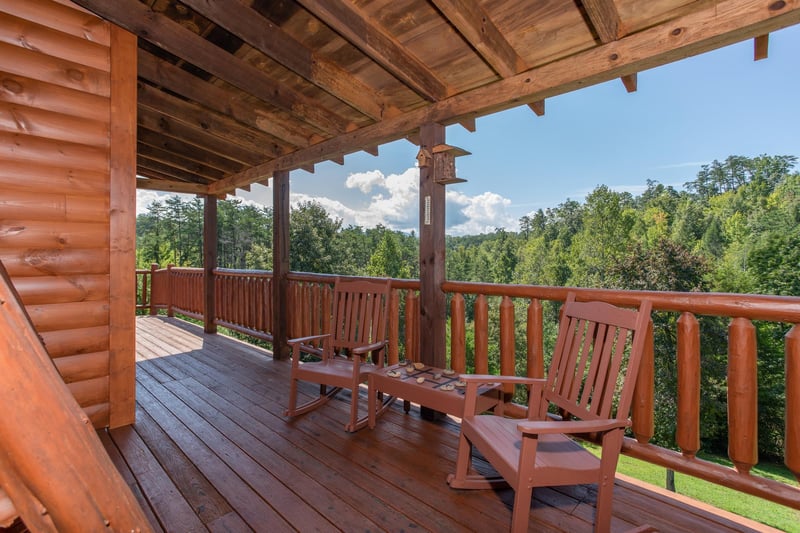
604	18
178	161
160	30
236	141
477	28
537	107
717	25
146	164
151	131
356	27
165	184
250	26
153	120
224	101
761	47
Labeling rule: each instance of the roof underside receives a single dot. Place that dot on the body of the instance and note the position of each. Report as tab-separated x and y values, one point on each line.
229	92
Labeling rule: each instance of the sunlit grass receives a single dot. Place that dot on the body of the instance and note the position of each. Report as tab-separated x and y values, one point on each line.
752	507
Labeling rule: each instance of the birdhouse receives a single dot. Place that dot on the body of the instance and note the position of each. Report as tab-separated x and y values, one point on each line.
423	158
444	158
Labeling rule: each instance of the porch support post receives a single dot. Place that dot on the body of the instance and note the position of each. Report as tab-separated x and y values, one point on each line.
432	301
280	264
209	263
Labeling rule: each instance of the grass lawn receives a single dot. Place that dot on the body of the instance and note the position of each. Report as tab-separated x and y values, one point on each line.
752	507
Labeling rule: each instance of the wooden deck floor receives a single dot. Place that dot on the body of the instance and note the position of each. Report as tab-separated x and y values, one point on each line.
211	450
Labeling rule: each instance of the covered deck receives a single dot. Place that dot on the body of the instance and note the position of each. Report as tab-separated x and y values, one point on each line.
211	449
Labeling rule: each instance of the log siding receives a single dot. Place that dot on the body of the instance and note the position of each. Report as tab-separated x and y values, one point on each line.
67	214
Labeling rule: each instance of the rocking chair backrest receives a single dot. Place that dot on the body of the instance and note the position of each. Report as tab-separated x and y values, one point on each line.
596	359
360	309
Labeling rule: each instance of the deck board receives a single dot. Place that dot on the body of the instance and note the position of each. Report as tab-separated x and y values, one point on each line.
212	450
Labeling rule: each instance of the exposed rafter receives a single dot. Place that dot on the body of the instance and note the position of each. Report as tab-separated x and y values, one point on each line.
259	32
711	28
366	35
604	17
174	38
224	101
476	26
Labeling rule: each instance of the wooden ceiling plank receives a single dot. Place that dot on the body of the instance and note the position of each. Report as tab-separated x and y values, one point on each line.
250	26
358	29
476	27
224	101
239	142
182	42
712	27
605	19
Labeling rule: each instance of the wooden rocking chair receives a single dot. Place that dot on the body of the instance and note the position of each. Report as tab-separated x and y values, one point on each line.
590	381
347	356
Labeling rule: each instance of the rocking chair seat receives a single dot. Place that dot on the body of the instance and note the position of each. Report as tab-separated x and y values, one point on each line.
590	381
347	356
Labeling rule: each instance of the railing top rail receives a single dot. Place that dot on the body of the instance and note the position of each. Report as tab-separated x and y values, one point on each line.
752	306
243	273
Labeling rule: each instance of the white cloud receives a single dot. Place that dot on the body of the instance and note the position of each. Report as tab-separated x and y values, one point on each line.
365	181
478	214
371	198
145	197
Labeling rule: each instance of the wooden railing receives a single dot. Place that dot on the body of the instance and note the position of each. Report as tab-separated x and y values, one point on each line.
244	303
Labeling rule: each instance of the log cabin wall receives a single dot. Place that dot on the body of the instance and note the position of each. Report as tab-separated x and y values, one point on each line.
67	193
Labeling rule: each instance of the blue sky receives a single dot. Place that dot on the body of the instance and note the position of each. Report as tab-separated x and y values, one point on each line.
682	116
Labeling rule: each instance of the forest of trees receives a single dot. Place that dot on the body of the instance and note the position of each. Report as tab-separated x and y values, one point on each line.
734	228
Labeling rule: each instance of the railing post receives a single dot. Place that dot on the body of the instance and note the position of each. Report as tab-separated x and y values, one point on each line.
412	321
643	415
792	429
688	430
394	327
153	269
481	335
507	345
742	395
458	337
170	291
535	334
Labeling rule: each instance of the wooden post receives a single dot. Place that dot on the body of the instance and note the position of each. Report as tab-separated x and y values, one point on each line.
687	435
153	269
792	443
534	329
280	264
432	301
742	395
209	263
122	229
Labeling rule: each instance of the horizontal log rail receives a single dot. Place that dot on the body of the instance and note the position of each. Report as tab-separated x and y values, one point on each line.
244	304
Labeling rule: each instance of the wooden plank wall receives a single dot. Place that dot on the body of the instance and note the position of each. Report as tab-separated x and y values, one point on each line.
69	254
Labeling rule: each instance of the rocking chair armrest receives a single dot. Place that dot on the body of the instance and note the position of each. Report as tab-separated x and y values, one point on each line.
306	340
367	348
303	344
542	427
360	353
